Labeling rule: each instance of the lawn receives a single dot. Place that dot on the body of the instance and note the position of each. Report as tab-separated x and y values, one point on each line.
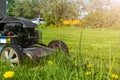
94	55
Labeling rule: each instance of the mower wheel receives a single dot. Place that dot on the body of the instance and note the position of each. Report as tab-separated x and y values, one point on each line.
12	54
58	44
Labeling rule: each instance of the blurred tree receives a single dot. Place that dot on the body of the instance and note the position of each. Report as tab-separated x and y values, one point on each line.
10	6
52	10
101	14
23	8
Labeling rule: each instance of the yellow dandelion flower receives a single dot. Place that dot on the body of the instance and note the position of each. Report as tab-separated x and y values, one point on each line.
8	74
88	73
89	65
115	76
50	62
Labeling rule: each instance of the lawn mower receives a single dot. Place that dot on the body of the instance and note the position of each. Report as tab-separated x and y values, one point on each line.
18	38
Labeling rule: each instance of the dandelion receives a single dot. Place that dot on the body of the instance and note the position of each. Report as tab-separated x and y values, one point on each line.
115	76
89	65
8	74
88	73
50	62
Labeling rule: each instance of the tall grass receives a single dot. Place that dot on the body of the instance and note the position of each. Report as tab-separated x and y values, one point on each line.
94	55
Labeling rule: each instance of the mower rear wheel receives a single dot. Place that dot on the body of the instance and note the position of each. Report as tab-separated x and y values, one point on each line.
58	44
12	54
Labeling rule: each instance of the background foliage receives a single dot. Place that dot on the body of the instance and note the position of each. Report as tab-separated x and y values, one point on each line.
97	13
52	10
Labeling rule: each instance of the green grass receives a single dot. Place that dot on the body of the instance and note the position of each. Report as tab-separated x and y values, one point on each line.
98	47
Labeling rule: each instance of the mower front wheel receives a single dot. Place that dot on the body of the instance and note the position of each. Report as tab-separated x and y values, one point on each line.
12	54
59	45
